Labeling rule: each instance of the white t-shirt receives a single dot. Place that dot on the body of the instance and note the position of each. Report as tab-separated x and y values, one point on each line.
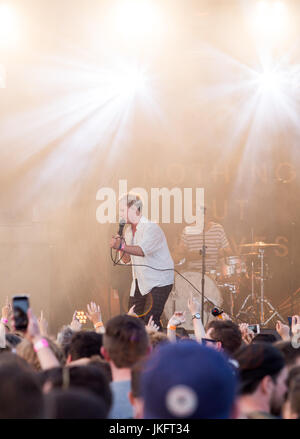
150	237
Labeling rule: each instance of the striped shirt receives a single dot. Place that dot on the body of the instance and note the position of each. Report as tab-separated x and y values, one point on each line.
215	239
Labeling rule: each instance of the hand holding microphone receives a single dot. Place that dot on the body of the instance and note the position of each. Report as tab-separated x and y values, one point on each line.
217	313
117	240
122	224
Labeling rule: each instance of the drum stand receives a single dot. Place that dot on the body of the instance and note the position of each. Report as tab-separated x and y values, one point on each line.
259	304
263	301
251	297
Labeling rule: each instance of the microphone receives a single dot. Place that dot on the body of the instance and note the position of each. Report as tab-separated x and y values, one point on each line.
121	226
217	313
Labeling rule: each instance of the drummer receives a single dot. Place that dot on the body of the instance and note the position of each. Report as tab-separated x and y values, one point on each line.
216	243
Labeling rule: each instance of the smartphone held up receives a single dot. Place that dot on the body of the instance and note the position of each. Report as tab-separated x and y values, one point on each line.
20	305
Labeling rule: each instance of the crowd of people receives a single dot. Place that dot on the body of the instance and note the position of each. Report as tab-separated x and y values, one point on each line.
132	369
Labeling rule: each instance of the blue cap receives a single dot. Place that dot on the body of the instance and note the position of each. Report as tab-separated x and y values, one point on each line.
188	380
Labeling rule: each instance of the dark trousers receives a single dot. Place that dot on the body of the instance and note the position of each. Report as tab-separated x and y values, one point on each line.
151	304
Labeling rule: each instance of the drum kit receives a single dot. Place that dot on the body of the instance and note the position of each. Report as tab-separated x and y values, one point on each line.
238	287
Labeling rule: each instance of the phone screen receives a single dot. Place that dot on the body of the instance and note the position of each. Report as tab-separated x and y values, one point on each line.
20	308
254	328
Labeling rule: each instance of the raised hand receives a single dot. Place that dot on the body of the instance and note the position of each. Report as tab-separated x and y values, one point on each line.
33	329
177	318
6	310
247	334
43	325
151	326
283	330
295	327
131	312
193	305
94	313
75	325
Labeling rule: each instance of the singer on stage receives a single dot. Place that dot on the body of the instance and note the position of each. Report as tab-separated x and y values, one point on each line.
144	243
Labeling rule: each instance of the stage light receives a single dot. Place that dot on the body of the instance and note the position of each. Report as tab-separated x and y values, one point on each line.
81	317
9	32
136	18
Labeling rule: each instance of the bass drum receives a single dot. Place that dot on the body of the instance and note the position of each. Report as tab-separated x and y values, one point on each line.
178	298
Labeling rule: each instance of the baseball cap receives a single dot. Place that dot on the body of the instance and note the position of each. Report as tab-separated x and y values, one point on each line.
188	380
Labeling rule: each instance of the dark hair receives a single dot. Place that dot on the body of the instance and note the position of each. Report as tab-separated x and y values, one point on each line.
21	395
9	358
103	365
125	340
289	352
257	361
251	387
182	333
268	338
294	373
85	344
87	377
74	404
228	333
294	396
13	340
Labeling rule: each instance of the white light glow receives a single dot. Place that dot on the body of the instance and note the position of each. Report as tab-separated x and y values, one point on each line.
270	19
271	81
2	76
9	26
129	81
136	18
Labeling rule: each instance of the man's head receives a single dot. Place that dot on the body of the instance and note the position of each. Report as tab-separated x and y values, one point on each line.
187	380
267	338
156	338
86	377
20	393
125	341
262	375
226	333
291	355
292	405
84	344
74	404
130	208
64	338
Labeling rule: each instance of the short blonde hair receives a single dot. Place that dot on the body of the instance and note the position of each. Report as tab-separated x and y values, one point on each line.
132	199
157	338
26	351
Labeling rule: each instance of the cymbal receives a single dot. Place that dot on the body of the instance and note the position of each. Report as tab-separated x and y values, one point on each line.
259	244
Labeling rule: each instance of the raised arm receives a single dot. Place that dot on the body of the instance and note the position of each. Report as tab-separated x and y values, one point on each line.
44	353
176	320
94	315
195	309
